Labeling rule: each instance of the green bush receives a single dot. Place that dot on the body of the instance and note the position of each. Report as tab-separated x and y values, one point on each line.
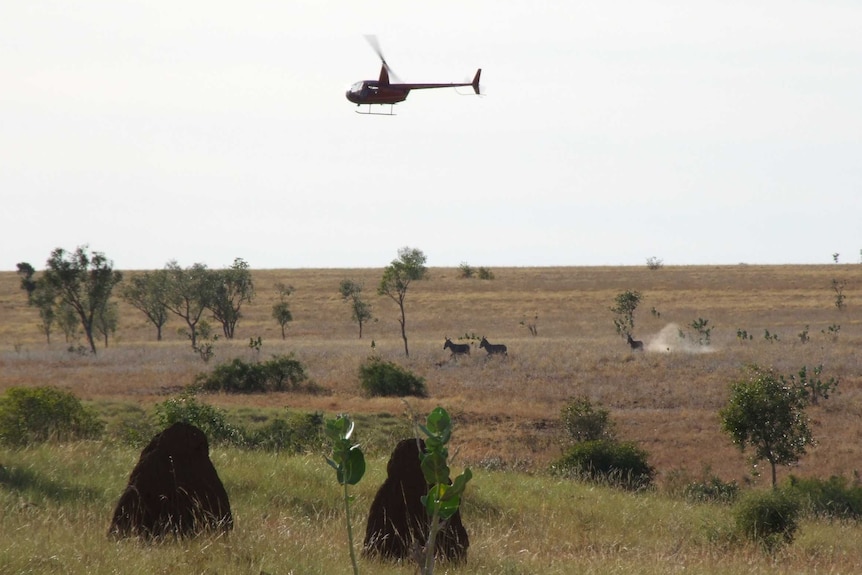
298	433
768	517
384	378
583	422
621	464
831	498
711	489
37	414
281	373
211	420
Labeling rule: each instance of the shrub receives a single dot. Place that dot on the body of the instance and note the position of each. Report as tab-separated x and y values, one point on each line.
384	378
298	433
278	374
211	420
768	518
831	498
37	414
711	489
621	464
584	423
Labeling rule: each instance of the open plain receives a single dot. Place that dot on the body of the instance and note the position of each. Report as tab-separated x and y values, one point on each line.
506	410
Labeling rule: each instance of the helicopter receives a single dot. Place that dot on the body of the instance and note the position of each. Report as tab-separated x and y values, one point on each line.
382	91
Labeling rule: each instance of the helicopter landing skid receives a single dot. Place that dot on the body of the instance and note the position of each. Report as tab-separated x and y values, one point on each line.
370	113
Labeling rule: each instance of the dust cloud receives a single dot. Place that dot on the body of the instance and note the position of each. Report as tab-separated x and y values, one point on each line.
668	340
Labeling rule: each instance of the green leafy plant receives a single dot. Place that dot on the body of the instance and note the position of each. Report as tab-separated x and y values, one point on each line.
767	413
485	273
770	337
583	422
769	518
803	336
297	433
701	327
624	309
832	331
833	498
743	335
211	420
281	373
444	496
838	288
378	377
348	462
621	464
38	414
466	271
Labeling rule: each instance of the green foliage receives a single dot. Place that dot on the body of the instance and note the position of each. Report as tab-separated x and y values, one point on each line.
833	498
768	518
701	327
281	373
770	337
583	422
444	496
36	414
621	464
384	378
838	288
832	331
485	273
767	414
231	287
466	271
298	433
711	489
348	461
624	309
211	420
147	292
83	282
654	263
351	292
803	336
188	293
397	277
743	335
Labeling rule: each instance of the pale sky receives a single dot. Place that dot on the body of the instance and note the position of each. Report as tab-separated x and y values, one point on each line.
710	132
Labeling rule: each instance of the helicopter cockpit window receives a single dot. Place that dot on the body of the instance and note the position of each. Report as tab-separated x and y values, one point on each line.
356	88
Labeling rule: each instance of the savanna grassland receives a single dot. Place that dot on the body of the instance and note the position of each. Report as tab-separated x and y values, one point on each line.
57	499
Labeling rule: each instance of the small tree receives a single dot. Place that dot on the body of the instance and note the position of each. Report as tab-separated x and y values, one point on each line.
28	284
397	277
148	292
106	320
231	288
768	414
281	309
838	288
583	422
188	293
41	295
444	497
348	462
83	282
624	311
351	292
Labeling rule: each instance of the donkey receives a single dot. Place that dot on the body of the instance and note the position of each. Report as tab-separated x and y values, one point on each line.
457	348
635	344
493	348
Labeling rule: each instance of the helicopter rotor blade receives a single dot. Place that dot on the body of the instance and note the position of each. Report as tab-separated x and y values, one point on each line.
375	45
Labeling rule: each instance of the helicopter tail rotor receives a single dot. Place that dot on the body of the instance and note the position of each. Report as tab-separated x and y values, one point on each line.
475	82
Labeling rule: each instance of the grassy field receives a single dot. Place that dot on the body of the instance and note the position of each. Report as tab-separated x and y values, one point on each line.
506	414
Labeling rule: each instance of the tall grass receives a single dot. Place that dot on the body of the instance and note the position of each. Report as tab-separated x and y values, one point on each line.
56	502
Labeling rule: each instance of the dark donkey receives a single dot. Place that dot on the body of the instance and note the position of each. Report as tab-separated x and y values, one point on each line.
493	348
457	348
635	344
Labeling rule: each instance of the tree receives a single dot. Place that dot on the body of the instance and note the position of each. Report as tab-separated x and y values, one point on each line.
768	414
398	276
281	309
188	293
41	295
84	282
351	292
624	310
231	288
106	320
148	293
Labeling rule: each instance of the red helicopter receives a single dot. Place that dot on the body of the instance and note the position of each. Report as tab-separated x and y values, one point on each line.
382	91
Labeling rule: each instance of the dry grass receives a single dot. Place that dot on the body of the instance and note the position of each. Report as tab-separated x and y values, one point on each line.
509	409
